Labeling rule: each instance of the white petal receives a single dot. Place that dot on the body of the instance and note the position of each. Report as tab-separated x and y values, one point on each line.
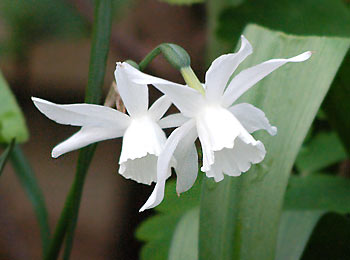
186	162
82	114
159	107
234	161
249	77
87	135
143	141
163	164
173	120
252	118
222	68
217	129
186	99
134	96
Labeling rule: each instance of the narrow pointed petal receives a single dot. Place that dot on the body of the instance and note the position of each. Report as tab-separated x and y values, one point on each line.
87	135
249	77
163	164
82	114
186	99
142	143
173	120
134	96
159	107
222	68
186	162
252	118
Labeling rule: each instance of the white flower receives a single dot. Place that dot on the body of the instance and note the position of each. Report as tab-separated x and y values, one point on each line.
143	137
223	130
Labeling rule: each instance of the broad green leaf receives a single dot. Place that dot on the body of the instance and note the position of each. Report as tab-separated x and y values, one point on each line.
321	151
182	2
318	192
12	123
157	231
184	244
239	216
301	17
4	156
295	229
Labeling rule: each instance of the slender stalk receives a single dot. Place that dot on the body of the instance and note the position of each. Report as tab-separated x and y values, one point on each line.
98	60
27	178
149	57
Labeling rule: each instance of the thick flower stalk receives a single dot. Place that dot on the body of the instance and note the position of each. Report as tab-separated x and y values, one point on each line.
223	129
143	138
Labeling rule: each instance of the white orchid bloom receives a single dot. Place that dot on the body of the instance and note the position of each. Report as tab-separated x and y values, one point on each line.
143	138
223	130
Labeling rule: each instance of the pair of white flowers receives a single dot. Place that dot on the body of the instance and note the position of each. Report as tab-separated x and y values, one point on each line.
147	155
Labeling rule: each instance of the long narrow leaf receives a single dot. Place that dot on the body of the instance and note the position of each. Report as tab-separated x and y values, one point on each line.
239	216
5	155
27	178
97	69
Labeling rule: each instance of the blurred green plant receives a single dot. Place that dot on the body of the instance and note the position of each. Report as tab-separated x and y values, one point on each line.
182	2
32	20
12	123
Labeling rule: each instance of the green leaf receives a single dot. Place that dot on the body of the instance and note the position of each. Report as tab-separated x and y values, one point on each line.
97	69
294	232
184	244
337	103
157	231
182	2
318	192
239	216
4	156
307	200
320	152
302	17
27	179
12	123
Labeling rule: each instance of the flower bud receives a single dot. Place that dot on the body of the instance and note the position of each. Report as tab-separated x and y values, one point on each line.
175	55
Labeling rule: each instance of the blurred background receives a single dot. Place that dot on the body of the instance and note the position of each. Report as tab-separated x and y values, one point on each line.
44	52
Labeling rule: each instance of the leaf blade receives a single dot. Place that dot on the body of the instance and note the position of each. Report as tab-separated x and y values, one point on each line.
255	199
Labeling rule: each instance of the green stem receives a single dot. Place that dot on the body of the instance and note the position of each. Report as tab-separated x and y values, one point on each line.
99	52
27	178
149	57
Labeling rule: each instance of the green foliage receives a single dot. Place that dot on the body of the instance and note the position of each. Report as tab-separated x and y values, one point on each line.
32	20
174	212
243	224
337	103
12	123
184	244
28	181
5	155
182	2
295	229
301	17
321	151
318	192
